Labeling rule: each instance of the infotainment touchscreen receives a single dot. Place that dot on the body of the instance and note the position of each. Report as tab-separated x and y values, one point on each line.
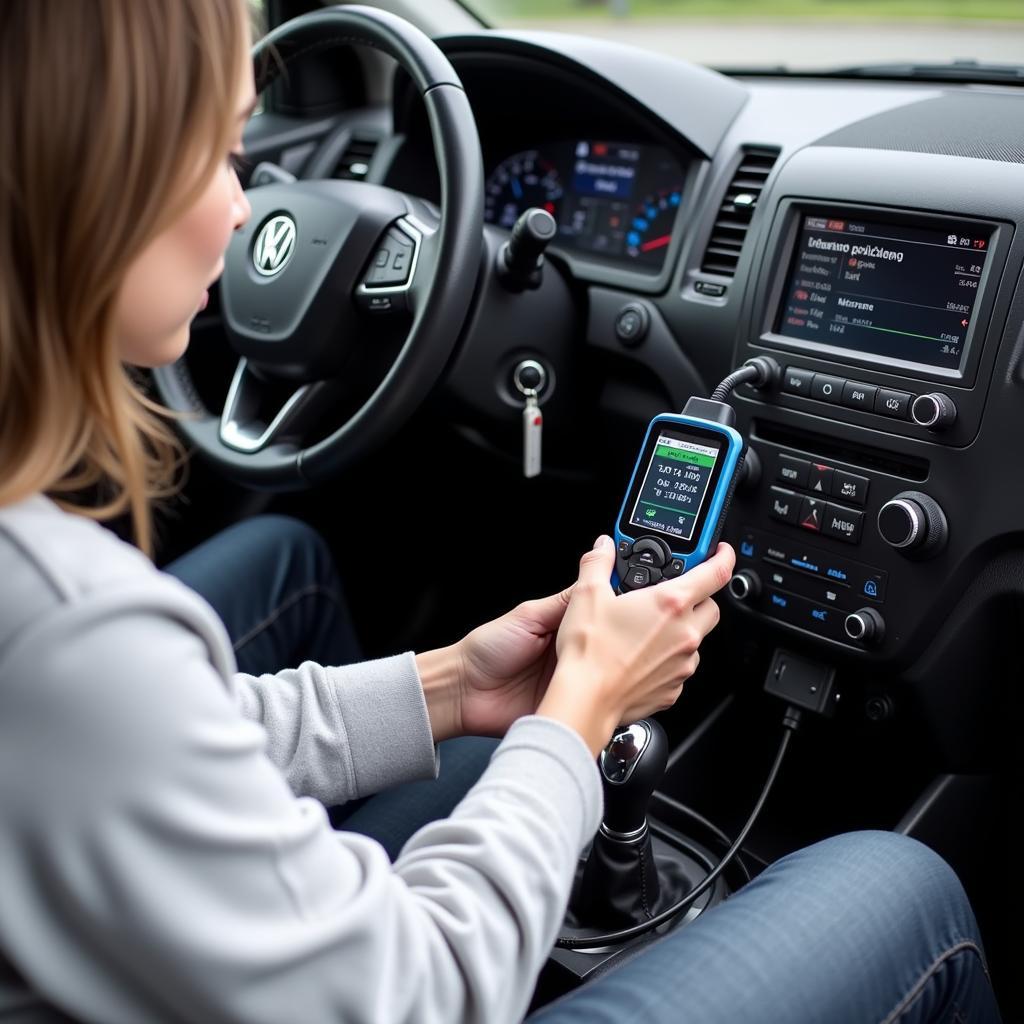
901	291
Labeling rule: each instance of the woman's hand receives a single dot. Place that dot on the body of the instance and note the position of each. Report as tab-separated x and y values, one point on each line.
620	658
494	675
507	664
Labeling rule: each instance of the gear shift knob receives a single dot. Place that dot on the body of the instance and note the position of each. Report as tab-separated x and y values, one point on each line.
632	765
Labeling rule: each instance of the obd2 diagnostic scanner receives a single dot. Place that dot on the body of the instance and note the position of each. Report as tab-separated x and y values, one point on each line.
682	483
678	495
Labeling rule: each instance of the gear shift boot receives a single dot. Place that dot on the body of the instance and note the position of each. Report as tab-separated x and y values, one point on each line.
624	884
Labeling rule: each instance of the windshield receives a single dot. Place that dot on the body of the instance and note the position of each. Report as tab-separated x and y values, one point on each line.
794	34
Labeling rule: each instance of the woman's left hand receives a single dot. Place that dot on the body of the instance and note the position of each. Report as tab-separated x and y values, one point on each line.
506	664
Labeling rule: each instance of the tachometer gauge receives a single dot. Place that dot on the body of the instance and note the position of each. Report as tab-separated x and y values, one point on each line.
651	227
523	180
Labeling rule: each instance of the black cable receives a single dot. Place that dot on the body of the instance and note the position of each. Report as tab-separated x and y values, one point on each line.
709	826
791	722
761	371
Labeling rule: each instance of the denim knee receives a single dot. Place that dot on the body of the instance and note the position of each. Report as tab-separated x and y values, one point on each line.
876	867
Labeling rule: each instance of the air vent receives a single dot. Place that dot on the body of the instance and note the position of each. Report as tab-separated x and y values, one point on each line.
727	236
355	161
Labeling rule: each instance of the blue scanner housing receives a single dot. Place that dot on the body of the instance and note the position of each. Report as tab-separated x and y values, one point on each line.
678	495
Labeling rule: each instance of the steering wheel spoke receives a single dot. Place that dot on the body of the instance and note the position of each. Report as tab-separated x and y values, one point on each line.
259	412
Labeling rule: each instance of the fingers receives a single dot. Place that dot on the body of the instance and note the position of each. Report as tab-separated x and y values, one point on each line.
705	616
596	565
545	613
709	577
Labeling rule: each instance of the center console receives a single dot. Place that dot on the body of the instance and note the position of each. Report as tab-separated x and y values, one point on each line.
887	322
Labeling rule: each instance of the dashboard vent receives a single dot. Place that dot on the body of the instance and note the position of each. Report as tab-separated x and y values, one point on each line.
730	230
355	161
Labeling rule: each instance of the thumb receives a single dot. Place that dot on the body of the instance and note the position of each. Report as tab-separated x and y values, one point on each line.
596	565
545	613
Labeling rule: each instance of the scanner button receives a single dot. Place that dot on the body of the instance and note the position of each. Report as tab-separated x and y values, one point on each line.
651	552
625	549
643	558
637	576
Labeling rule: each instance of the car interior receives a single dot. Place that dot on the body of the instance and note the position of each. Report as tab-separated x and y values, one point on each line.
509	250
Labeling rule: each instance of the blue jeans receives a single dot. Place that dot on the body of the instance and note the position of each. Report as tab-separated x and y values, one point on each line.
869	926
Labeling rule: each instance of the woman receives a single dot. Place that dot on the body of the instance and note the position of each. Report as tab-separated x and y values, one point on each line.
164	849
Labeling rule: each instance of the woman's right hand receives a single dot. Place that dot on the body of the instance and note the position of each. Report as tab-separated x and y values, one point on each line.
621	658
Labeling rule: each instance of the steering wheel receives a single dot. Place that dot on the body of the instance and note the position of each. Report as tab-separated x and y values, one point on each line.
322	271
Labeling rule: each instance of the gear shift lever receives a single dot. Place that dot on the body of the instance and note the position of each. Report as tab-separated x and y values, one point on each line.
632	765
620	884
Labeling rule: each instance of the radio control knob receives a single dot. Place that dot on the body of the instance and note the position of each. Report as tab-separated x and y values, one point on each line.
745	585
866	626
935	411
913	522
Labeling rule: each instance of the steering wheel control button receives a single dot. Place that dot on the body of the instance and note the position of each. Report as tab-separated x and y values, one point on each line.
797	381
657	551
792	471
785	505
893	403
391	262
827	389
850	487
842	523
859	396
935	411
812	513
819	478
632	323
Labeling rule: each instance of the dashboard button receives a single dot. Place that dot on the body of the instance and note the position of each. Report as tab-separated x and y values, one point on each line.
631	324
785	505
826	388
713	288
793	471
850	487
893	403
859	396
819	479
842	523
797	381
812	512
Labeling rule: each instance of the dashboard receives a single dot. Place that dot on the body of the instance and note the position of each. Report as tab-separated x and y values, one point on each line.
866	235
617	201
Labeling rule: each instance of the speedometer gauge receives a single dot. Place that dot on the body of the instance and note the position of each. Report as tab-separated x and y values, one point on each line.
651	226
523	180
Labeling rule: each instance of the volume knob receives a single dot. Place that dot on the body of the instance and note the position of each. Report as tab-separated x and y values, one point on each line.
745	585
913	521
935	411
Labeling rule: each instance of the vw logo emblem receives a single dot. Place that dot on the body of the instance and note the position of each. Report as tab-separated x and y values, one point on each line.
274	245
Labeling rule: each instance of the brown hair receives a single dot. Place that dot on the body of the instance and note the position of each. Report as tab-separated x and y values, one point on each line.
107	107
